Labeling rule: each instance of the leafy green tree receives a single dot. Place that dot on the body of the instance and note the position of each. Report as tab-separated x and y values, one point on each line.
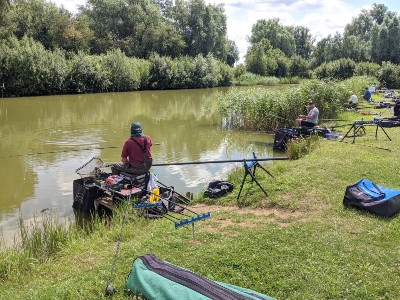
356	48
328	49
27	68
119	72
393	39
299	66
360	26
338	69
382	45
232	54
303	40
256	60
264	60
369	34
136	27
4	5
367	69
391	74
86	75
282	61
277	34
239	70
48	24
203	28
378	12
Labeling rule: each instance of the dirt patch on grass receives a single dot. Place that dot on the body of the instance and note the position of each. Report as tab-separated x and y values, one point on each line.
226	217
256	211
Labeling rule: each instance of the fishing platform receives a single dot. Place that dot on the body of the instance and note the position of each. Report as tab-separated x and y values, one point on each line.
98	191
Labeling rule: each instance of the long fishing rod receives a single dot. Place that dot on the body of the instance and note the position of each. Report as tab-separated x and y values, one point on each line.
60	151
210	161
336	120
64	151
218	161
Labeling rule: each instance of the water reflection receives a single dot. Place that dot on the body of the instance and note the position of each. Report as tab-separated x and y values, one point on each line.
57	131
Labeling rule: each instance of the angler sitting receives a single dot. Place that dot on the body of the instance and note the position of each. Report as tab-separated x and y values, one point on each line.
367	95
311	119
353	101
136	156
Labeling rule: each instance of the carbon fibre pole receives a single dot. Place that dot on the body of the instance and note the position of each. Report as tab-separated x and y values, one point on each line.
218	161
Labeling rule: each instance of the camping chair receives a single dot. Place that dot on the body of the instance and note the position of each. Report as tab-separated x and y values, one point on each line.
250	169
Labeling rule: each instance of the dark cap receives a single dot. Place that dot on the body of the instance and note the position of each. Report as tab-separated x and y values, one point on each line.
310	102
136	129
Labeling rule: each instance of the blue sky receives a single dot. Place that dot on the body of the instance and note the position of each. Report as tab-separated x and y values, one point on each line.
322	17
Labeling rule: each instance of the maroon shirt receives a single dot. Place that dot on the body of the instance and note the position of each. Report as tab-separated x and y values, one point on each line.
133	153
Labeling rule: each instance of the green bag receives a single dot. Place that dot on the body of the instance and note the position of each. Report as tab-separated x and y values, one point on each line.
156	279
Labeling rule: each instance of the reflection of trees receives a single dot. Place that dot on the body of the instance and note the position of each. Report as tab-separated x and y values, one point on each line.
31	121
16	183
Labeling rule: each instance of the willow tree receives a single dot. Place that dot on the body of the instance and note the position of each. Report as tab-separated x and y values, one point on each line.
279	36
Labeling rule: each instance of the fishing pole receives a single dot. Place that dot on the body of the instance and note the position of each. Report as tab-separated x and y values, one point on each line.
338	126
210	161
60	151
64	151
336	120
218	161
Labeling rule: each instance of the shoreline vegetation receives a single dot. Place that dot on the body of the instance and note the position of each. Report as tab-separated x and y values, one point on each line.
298	243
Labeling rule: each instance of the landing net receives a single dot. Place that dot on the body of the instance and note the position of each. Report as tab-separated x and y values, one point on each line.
90	169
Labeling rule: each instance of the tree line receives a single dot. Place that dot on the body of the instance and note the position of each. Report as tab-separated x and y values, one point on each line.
368	46
27	68
161	44
136	27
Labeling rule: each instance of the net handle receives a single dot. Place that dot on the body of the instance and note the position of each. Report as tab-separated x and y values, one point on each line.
93	158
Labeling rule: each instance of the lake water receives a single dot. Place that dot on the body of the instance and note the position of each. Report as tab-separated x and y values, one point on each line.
45	139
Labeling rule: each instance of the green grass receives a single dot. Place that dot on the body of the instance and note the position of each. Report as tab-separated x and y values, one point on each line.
297	243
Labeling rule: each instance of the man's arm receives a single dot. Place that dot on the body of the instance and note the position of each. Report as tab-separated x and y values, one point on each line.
307	117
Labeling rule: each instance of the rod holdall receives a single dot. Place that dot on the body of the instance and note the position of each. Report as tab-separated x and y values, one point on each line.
155	279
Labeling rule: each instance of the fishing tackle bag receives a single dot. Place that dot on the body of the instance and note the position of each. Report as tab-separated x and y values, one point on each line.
377	199
218	188
156	279
84	195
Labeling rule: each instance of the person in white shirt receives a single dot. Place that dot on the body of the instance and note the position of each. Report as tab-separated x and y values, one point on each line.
353	100
311	119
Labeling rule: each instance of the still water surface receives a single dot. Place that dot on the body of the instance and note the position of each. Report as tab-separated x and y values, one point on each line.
45	139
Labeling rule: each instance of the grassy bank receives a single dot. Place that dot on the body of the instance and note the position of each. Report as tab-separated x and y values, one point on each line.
298	243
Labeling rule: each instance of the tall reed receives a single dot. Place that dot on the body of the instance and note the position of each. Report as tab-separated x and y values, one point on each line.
260	108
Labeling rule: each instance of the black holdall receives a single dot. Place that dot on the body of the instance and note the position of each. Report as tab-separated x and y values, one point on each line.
218	188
